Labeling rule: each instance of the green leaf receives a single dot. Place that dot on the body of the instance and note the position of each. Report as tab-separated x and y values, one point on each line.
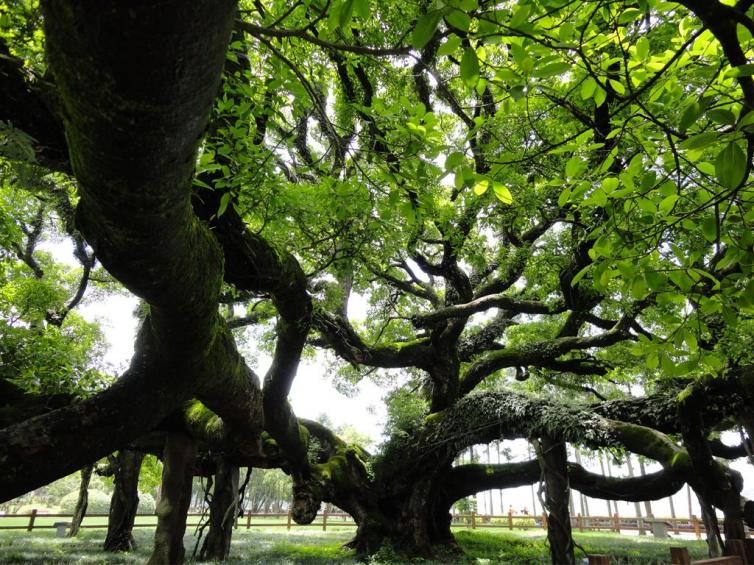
470	67
629	15
574	166
653	361
481	187
610	184
722	116
746	120
618	87
699	141
709	228
522	13
450	46
459	19
667	203
425	28
642	48
689	116
599	96
580	275
742	71
503	194
361	9
730	165
551	69
564	197
588	87
453	160
224	201
346	14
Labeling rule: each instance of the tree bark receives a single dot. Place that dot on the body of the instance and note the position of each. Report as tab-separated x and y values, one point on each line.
80	511
125	501
223	510
177	477
709	519
553	460
134	115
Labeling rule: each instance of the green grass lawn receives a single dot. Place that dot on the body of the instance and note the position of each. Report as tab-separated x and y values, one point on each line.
312	546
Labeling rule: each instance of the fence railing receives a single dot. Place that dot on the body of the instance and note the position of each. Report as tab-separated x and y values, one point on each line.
614	523
40	520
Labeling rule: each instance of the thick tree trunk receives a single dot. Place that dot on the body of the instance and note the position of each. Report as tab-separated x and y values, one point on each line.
223	510
125	501
80	511
177	477
710	525
417	526
553	460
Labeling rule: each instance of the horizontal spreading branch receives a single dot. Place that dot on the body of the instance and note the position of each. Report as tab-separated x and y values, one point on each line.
467	480
513	305
347	343
539	354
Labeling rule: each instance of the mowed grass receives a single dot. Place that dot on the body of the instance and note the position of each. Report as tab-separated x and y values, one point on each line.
302	546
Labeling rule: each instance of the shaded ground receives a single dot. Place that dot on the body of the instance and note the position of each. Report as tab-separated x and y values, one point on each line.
316	547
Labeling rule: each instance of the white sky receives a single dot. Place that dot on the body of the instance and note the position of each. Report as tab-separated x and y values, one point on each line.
313	394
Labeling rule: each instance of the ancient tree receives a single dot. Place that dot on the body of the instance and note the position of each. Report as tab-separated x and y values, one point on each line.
545	204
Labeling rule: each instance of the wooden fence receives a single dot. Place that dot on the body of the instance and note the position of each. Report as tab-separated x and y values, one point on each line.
614	523
40	520
510	521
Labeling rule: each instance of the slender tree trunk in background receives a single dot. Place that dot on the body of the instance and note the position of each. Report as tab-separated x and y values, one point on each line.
602	470
223	510
500	491
489	492
672	508
637	505
533	492
647	503
610	474
688	495
80	511
582	498
553	460
125	501
177	477
714	541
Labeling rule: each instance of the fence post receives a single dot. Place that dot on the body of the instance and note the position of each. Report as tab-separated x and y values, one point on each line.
324	520
679	556
544	520
32	517
579	522
290	515
473	520
248	519
616	522
697	530
510	519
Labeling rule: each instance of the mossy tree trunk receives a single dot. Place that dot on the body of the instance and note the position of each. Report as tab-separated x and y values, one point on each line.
553	461
177	478
82	502
223	510
125	501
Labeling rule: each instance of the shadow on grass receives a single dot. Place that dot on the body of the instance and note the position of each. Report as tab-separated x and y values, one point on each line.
313	547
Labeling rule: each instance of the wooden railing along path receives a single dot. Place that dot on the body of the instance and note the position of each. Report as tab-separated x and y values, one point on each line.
36	520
